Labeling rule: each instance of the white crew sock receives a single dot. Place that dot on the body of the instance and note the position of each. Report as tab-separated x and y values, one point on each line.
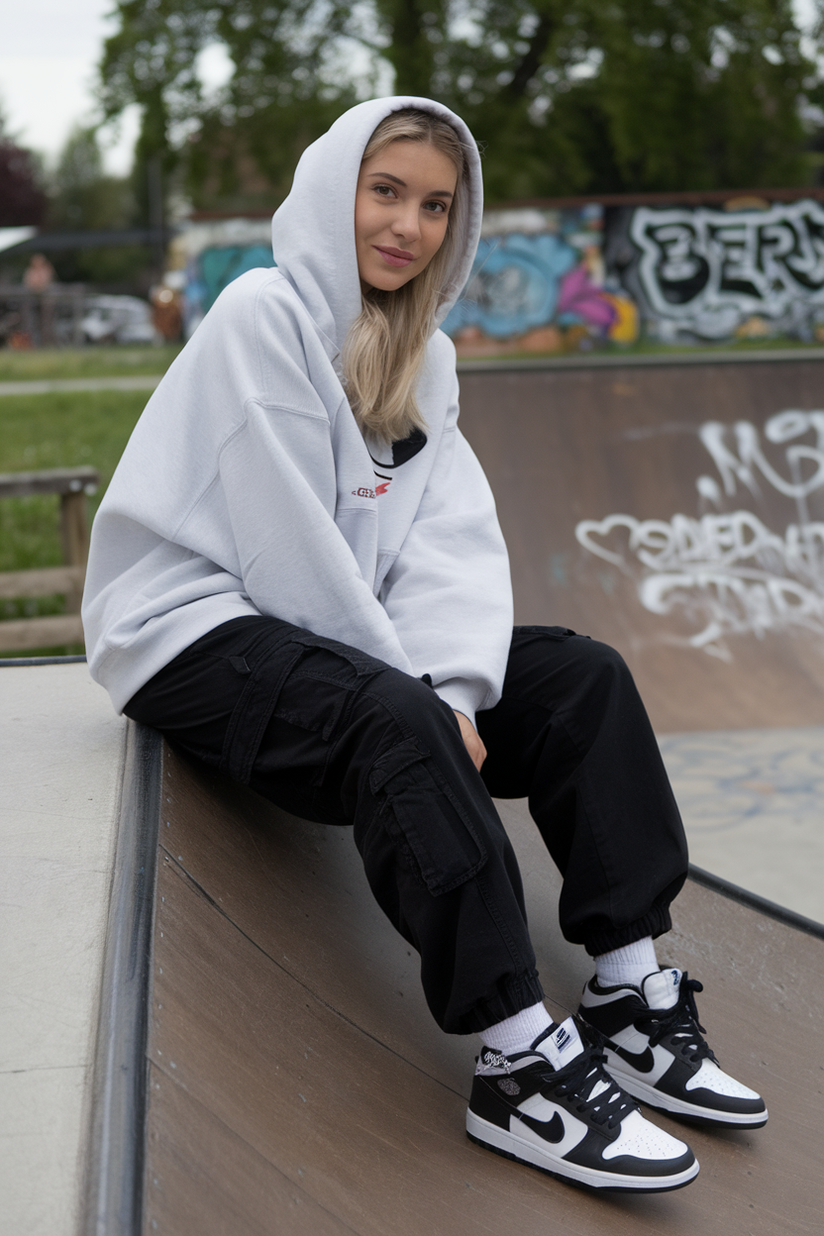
630	964
517	1033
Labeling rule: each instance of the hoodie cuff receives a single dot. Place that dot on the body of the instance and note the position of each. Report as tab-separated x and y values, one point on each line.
461	696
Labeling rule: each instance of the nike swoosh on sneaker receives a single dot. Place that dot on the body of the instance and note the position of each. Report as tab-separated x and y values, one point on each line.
643	1061
550	1130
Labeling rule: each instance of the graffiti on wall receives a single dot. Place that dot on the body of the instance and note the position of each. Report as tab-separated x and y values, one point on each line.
720	274
578	278
728	573
539	283
213	269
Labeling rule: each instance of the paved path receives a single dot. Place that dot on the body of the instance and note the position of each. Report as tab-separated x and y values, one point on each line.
141	382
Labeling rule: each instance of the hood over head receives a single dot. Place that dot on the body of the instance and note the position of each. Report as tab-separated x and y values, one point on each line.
313	231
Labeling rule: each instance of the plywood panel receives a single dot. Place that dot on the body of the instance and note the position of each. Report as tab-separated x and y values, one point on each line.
293	1058
564	446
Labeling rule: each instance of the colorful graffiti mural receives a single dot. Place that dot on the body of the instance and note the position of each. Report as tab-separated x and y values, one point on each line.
213	269
551	279
539	284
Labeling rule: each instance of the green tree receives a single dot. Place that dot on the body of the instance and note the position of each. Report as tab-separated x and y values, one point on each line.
151	61
82	195
291	80
84	198
568	96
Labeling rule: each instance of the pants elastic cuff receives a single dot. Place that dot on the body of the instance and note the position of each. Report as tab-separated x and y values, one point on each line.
655	923
516	994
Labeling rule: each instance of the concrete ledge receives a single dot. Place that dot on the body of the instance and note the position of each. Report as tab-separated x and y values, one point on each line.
61	750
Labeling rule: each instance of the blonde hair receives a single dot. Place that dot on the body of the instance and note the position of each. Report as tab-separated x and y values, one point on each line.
386	344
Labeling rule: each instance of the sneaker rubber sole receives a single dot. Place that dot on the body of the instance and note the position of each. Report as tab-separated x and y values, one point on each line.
511	1146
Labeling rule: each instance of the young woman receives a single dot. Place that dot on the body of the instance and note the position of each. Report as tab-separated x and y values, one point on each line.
297	575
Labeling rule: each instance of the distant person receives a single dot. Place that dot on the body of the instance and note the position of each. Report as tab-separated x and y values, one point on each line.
166	313
297	575
39	274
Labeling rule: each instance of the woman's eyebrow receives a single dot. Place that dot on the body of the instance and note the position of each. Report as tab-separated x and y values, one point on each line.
397	180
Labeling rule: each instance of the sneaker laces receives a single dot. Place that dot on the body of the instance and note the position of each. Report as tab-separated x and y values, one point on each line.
680	1022
599	1096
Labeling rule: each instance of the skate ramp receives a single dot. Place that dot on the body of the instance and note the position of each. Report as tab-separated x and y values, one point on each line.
297	1083
675	510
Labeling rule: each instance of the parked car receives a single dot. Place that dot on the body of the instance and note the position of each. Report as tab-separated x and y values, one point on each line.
118	319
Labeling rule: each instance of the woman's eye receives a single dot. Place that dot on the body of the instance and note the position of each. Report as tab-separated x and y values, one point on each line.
437	208
384	190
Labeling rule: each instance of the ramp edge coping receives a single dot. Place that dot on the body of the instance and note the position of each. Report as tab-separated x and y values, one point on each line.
770	909
113	1194
635	360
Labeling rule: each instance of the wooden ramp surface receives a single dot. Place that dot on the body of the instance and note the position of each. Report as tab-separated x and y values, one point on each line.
298	1084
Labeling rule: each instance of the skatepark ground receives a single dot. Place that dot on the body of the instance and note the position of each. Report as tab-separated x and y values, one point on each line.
208	1026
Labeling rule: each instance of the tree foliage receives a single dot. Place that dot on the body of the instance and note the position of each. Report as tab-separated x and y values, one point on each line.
84	198
567	96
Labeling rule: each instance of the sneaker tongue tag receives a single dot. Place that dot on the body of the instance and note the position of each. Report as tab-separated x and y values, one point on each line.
661	988
562	1045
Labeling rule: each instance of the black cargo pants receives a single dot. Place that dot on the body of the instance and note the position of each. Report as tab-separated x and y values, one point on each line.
333	735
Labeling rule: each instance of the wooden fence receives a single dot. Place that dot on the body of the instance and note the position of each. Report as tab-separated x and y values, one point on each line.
72	484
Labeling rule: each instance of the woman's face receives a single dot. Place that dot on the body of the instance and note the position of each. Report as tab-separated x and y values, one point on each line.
403	200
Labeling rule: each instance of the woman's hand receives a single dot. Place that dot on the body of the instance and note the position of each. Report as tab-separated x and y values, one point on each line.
472	741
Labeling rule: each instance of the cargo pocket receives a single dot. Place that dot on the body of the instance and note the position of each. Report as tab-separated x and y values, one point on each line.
430	829
361	662
254	708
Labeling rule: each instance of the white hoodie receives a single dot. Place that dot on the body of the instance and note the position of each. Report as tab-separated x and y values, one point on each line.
247	487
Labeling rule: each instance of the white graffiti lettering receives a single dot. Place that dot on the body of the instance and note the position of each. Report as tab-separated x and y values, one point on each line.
706	268
728	570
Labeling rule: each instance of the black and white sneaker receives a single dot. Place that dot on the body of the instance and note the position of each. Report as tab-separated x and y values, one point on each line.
655	1050
554	1107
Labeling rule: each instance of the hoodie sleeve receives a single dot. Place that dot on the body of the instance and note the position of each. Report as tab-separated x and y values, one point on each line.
448	593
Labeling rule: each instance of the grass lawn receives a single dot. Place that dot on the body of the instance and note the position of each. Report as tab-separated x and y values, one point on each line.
106	361
68	428
59	430
117	360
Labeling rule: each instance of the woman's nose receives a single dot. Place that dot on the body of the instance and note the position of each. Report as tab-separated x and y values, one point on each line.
405	223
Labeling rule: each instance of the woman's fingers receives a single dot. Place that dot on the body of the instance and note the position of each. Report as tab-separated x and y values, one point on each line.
472	741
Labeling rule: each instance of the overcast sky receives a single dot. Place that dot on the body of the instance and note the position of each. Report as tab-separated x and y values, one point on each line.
48	55
49	50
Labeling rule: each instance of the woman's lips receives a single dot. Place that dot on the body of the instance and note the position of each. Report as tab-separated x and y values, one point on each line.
395	257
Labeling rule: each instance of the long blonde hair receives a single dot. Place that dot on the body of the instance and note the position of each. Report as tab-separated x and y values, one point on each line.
386	344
